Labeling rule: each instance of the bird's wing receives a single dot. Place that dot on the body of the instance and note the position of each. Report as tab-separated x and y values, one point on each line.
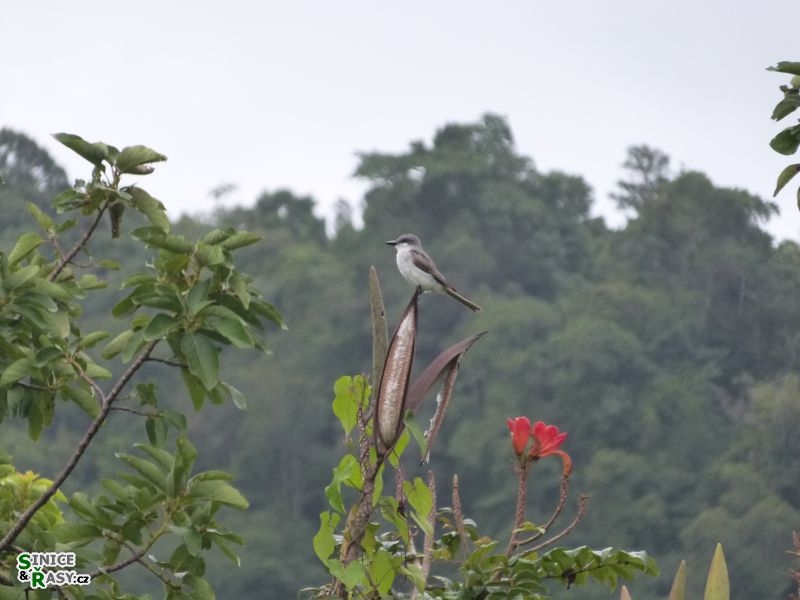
425	263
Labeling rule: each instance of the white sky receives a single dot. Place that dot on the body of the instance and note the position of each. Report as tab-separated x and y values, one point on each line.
283	94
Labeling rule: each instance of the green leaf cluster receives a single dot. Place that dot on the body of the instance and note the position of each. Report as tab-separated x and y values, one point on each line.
788	140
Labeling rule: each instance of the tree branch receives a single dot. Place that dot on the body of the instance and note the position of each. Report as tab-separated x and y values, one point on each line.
78	245
80	449
568	529
136	554
562	500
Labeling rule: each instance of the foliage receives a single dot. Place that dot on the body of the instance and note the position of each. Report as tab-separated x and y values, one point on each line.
178	312
371	559
787	141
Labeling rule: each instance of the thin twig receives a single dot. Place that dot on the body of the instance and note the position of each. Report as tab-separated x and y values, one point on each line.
171	363
562	500
79	451
92	383
568	529
458	516
138	553
78	245
141	413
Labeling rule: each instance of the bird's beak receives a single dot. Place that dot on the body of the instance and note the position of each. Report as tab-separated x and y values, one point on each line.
391	243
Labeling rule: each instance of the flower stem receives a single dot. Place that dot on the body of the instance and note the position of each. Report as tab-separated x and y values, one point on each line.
519	518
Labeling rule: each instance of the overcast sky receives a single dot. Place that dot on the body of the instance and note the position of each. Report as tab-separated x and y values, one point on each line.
283	94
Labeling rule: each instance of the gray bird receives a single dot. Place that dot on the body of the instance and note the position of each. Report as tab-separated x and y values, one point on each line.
419	269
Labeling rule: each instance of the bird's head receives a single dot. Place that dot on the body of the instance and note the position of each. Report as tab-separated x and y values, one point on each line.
407	240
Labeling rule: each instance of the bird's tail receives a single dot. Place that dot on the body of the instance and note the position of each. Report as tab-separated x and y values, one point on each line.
451	291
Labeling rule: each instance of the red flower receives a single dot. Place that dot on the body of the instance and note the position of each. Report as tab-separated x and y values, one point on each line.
547	440
520	429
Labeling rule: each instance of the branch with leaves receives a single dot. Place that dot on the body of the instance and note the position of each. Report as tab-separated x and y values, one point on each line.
788	140
192	301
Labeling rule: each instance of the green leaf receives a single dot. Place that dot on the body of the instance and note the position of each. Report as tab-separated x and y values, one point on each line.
45	355
351	576
27	243
91	339
54	290
414	573
786	66
94	153
786	106
197	298
415	430
266	310
159	326
382	571
202	358
201	589
182	469
786	176
238	398
346	472
399	447
787	141
44	221
717	585
241	239
345	404
95	371
161	456
133	156
156	429
21	276
218	491
209	255
156	238
195	387
90	281
111	265
324	542
16	370
76	533
116	345
84	399
231	328
176	419
421	499
151	208
226	550
36	420
146	393
150	471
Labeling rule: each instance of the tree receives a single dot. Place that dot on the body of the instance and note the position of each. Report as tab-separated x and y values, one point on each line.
649	168
178	313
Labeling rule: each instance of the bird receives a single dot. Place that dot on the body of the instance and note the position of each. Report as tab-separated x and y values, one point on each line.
418	268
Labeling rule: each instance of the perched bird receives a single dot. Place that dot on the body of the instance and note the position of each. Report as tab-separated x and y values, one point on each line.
419	269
